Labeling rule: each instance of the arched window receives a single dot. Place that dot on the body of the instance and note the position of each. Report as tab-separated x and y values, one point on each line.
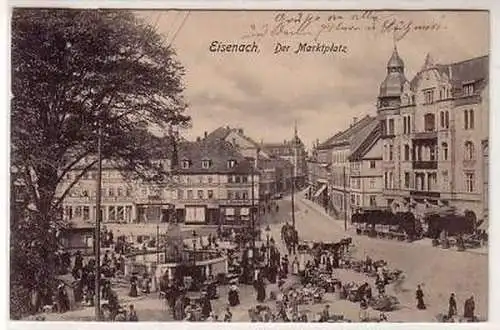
469	151
444	150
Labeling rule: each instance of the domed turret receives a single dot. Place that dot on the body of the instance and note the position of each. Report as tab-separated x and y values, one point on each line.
395	61
392	86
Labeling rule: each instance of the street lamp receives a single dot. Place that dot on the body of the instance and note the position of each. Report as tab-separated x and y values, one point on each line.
195	235
268	236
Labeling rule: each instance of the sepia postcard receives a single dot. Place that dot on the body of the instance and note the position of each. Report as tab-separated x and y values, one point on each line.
249	165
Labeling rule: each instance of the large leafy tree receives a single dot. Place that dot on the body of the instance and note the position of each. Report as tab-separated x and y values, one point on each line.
72	72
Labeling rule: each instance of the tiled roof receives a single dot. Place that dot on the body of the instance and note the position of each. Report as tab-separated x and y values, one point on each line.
365	139
222	133
348	134
471	70
218	152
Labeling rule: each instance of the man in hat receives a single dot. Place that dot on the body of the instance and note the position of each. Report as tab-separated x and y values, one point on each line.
206	306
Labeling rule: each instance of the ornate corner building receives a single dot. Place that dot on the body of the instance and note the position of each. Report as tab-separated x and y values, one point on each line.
434	131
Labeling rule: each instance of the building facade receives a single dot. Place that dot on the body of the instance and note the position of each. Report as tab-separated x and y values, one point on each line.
346	158
435	136
211	183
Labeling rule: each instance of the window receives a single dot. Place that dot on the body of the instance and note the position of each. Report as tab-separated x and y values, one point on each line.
231	163
391	152
444	150
86	213
230	179
428	97
237	179
469	182
432	152
391	126
444	121
442	93
244	195
185	164
210	194
469	151
407	179
429	122
372	183
358	200
468	89
406	125
200	194
111	192
468	119
244	179
120	213
237	195
407	152
180	194
205	163
353	199
189	194
78	212
200	178
210	179
373	200
111	213
119	192
229	195
431	181
372	164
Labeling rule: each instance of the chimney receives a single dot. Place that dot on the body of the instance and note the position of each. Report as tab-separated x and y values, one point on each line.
206	134
354	121
240	130
198	139
450	72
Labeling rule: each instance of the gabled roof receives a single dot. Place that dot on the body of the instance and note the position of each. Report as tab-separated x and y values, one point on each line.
365	140
345	137
471	70
218	152
222	133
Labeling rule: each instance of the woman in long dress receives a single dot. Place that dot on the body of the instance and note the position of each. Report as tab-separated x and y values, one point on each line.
420	298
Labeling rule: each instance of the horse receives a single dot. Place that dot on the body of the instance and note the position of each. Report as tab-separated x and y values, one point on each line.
291	238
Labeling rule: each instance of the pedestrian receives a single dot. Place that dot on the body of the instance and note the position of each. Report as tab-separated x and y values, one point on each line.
206	306
469	307
228	316
452	306
420	298
233	296
364	316
132	314
295	266
325	314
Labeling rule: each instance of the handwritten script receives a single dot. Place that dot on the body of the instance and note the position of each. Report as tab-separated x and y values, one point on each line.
293	24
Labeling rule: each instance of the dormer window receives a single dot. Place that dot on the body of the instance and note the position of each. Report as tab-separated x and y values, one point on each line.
231	163
185	164
468	89
206	163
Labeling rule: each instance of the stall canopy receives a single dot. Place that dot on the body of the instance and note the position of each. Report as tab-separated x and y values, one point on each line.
320	190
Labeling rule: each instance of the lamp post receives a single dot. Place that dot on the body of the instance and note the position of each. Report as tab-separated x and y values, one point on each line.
157	244
98	226
268	230
195	235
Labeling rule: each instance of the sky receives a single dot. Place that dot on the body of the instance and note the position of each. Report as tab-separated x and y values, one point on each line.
266	93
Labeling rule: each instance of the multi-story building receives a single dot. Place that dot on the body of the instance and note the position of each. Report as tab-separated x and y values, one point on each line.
366	172
275	165
435	136
344	147
208	183
214	184
293	151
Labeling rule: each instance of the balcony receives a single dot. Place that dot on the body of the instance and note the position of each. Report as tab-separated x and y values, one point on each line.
425	194
430	135
425	165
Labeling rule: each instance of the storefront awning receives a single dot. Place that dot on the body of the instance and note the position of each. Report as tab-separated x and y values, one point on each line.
320	190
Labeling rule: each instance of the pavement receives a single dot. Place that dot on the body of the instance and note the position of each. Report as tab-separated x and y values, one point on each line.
439	271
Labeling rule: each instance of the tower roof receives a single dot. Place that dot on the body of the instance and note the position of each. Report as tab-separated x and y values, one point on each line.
395	61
